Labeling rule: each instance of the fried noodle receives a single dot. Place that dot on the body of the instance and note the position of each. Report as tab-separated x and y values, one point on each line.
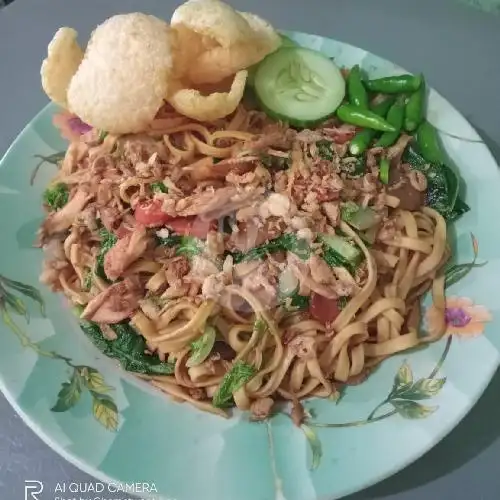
224	174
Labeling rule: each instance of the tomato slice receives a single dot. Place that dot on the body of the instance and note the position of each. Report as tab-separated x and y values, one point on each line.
323	309
150	214
190	226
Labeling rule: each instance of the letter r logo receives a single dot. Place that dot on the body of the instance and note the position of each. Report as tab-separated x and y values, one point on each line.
32	489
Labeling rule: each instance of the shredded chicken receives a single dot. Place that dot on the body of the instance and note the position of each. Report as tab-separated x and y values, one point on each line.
116	303
262	283
320	271
177	268
202	268
205	202
302	273
63	219
215	244
303	347
253	233
332	211
394	153
108	332
245	268
125	252
214	285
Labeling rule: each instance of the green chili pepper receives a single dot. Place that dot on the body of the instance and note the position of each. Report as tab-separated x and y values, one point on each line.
429	143
395	84
363	118
383	172
414	113
358	96
395	117
382	107
362	139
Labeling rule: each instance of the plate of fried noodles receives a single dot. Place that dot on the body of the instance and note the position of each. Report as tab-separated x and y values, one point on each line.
250	256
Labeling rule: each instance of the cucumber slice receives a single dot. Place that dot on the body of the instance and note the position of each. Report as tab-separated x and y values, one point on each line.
361	218
299	86
285	42
339	252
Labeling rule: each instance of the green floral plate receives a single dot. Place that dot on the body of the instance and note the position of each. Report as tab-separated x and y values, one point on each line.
117	428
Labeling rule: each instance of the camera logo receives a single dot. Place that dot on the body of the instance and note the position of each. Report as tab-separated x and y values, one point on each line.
32	489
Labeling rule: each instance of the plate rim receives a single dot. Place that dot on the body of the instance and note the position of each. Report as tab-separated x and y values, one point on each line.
95	471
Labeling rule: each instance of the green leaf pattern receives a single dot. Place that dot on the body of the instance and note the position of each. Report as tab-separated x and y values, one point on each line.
82	377
412	409
105	411
70	393
314	444
403	378
94	381
424	388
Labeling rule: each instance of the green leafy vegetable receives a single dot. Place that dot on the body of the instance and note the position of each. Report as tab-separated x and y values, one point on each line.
172	240
342	302
287	242
189	246
202	347
57	196
158	187
274	163
288	292
128	348
354	169
87	280
359	217
333	259
234	379
298	302
442	184
340	252
459	209
227	224
185	245
348	209
325	150
108	240
359	167
102	135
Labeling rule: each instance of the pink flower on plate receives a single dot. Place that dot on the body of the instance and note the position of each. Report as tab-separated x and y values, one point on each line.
70	126
462	317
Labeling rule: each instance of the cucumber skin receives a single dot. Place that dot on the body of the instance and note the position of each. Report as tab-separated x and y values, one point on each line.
295	123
